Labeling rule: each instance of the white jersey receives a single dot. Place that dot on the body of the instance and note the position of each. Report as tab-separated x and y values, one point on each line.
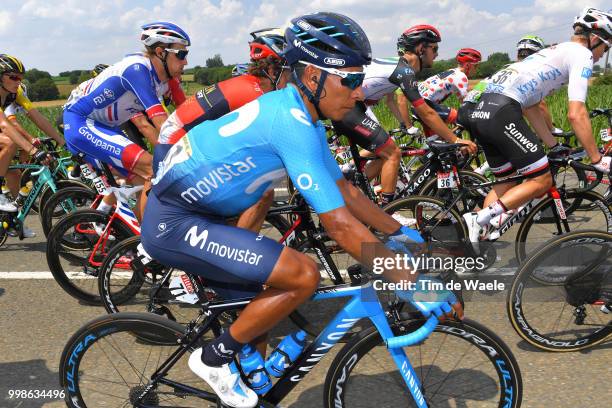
376	83
531	80
438	87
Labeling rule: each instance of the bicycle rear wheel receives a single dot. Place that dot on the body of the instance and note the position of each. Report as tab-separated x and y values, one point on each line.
460	364
62	202
110	360
555	299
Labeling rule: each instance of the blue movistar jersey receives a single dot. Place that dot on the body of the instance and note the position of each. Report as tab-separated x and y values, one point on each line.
224	166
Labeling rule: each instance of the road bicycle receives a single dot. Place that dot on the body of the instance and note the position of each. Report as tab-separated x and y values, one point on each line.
561	297
438	219
140	359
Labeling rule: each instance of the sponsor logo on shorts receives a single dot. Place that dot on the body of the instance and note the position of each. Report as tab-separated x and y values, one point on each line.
200	240
217	177
99	143
161	226
480	115
524	142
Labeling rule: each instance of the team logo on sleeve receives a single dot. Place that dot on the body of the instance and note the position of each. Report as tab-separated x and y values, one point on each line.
587	72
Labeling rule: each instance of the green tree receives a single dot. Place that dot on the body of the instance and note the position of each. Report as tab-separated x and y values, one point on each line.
84	76
494	63
74	77
33	75
43	89
214	62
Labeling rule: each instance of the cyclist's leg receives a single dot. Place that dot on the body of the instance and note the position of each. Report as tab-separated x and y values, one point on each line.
8	148
363	129
254	217
234	261
500	123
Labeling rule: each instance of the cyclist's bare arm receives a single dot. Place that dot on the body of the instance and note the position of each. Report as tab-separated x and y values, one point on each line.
20	129
433	120
365	210
538	123
403	106
7	128
158	121
146	128
581	124
392	105
546	114
43	124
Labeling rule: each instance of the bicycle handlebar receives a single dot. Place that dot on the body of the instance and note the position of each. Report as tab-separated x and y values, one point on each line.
415	337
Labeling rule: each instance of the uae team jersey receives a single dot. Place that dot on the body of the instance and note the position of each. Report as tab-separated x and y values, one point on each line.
119	92
531	80
222	167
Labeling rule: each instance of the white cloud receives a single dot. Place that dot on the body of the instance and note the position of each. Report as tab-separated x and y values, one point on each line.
73	34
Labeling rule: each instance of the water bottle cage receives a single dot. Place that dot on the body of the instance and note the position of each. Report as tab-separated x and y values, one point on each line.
286	359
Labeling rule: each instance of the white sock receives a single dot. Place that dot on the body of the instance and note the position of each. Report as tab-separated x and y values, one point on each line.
104	207
493	210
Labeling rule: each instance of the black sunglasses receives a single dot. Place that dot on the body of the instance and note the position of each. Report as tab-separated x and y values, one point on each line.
180	54
15	78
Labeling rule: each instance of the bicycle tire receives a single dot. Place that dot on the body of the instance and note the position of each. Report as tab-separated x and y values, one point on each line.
343	379
475	197
542	214
147	334
451	229
57	246
525	280
75	194
60	184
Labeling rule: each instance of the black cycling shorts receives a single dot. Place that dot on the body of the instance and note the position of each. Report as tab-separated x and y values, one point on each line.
507	140
464	115
363	130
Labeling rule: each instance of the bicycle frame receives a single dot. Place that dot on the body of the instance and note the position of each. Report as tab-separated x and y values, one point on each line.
363	303
44	177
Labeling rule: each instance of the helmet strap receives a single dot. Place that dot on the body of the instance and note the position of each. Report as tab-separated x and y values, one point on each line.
314	99
165	63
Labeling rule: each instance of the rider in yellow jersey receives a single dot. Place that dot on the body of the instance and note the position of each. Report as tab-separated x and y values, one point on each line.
12	135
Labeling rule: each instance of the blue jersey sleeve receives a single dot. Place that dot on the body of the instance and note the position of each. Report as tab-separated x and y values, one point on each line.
137	78
302	147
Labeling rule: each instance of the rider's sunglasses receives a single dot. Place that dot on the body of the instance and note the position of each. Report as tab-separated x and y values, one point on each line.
180	54
434	48
15	78
352	80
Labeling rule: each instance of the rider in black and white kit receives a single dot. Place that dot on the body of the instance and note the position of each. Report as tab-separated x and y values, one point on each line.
509	143
417	48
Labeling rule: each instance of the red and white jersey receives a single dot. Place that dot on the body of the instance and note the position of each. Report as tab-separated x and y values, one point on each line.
439	87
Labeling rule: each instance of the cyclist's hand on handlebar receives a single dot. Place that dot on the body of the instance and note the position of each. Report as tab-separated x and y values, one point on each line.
36	143
470	146
442	303
42	157
604	164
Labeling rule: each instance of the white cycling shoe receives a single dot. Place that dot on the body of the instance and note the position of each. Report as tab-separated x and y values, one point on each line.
476	232
6	204
27	233
405	221
225	382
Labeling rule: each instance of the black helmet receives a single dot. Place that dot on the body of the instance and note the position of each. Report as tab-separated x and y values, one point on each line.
97	69
9	63
327	40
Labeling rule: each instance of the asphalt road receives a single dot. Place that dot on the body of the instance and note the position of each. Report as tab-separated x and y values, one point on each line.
38	318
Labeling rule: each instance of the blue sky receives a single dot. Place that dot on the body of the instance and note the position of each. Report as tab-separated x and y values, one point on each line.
75	34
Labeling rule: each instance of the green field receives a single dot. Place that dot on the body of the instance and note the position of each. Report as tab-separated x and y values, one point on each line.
600	96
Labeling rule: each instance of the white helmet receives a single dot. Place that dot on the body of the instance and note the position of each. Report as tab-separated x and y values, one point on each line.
596	21
163	32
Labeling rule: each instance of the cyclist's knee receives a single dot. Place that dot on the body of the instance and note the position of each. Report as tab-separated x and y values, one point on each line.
544	182
144	166
309	274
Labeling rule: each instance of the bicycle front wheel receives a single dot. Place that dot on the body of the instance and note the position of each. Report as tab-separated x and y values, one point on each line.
109	362
555	299
461	364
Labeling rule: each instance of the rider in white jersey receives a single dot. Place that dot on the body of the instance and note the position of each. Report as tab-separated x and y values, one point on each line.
507	140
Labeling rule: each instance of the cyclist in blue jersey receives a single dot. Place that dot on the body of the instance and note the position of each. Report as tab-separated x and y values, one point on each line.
221	167
98	107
